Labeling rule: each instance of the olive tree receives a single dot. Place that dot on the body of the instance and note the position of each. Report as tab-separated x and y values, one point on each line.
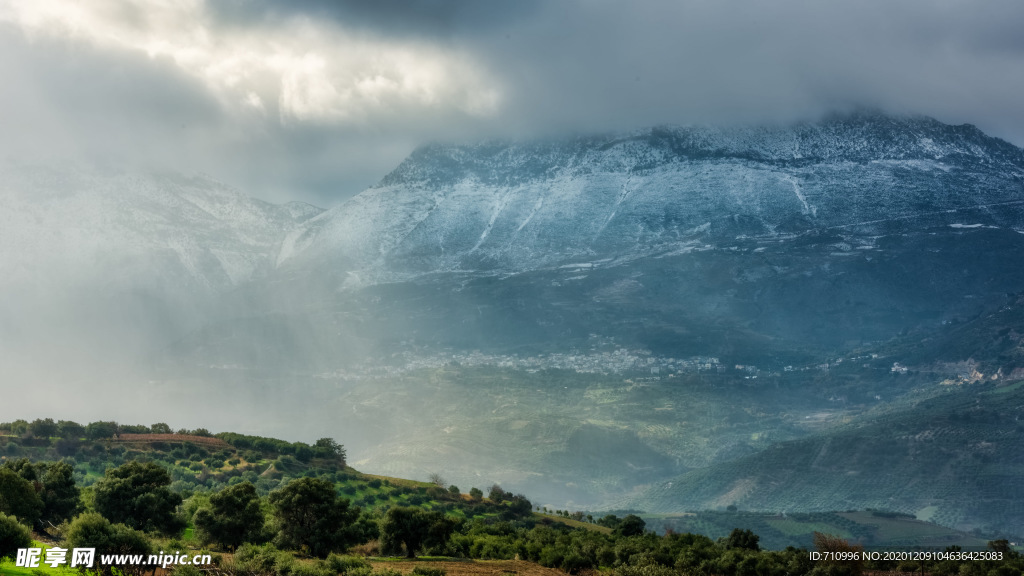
137	494
313	517
13	535
234	516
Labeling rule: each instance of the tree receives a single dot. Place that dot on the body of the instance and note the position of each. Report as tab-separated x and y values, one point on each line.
518	507
25	468
414	528
744	539
60	493
42	428
313	517
631	525
476	493
18	497
160	428
69	429
13	535
1003	546
303	453
136	494
19	427
331	449
92	530
497	494
234	516
100	430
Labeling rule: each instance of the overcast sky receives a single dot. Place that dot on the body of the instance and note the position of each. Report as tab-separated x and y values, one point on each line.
316	100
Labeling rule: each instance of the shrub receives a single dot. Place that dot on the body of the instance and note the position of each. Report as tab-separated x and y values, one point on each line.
347	564
371	548
13	535
831	543
265	559
429	571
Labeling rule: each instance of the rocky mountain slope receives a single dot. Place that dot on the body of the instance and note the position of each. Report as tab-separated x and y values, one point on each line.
512	207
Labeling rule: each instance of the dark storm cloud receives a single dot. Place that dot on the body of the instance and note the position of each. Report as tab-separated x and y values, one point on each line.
390	17
362	83
608	64
613	65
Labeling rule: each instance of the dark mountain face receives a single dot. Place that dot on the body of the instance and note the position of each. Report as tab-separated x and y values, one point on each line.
755	244
948	452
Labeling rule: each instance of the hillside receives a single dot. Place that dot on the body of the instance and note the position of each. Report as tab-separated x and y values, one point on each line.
952	459
201	465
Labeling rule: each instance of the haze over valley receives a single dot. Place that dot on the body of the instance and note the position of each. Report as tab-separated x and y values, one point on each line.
591	320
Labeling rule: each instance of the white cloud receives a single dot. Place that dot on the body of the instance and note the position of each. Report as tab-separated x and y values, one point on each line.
314	71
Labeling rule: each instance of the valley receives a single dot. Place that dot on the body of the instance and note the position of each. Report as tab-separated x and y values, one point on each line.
671	320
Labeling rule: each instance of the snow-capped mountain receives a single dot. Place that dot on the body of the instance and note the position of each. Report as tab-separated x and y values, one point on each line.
781	230
502	207
510	207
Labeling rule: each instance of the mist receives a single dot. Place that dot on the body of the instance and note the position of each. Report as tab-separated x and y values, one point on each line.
280	220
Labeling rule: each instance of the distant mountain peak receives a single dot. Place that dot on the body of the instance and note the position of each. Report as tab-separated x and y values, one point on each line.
511	206
860	136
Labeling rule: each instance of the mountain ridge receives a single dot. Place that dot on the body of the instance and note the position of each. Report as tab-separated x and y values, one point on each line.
838	137
501	208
